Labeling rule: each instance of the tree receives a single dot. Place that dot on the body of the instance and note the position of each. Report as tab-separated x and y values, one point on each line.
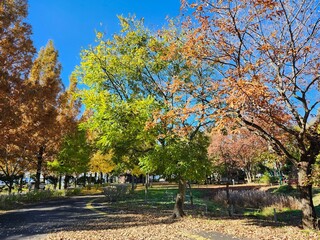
243	148
267	60
42	119
134	83
74	155
17	52
102	163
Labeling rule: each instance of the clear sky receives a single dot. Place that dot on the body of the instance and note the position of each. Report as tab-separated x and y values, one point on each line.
71	24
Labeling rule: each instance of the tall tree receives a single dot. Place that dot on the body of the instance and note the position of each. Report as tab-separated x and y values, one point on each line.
268	65
135	79
16	53
42	121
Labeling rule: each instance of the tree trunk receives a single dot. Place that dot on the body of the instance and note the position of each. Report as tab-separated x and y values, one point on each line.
10	186
84	179
230	211
66	181
20	184
60	180
309	218
89	182
39	166
248	176
190	193
132	182
178	206
146	188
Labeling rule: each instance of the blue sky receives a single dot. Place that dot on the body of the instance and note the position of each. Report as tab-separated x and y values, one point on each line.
71	24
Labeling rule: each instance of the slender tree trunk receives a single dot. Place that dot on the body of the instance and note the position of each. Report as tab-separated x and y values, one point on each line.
89	182
60	180
66	181
76	181
20	184
248	175
190	192
84	179
178	206
146	188
309	217
132	182
39	167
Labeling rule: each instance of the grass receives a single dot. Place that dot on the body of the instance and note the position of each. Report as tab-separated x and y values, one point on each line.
14	201
163	199
287	214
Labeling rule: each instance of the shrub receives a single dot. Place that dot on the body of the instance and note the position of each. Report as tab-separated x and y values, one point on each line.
257	199
115	192
73	192
267	178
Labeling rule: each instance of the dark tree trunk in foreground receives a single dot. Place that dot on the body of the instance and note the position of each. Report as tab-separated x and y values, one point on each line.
309	217
39	167
178	206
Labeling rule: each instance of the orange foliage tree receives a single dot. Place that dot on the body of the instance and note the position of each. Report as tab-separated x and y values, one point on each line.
266	57
49	111
16	50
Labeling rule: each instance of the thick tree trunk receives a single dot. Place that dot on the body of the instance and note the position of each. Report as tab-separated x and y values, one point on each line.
10	186
39	167
66	181
178	206
309	217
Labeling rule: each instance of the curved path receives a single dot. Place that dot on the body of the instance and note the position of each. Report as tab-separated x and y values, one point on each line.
40	219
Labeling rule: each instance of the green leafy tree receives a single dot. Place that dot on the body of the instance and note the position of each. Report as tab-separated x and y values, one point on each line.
135	105
74	155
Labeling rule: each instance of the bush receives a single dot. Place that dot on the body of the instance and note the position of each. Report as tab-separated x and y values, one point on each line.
257	199
267	179
115	192
73	192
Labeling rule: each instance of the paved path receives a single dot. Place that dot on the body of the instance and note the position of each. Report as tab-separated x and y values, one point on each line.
38	220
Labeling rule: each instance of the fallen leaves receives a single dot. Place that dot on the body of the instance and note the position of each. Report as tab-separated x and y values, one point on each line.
156	225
